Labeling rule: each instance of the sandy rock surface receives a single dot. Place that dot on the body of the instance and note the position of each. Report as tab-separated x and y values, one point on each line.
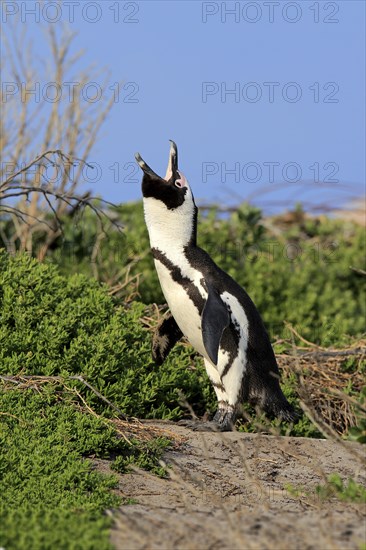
227	491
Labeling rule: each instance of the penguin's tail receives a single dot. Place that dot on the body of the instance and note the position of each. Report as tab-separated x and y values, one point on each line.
270	399
280	408
275	405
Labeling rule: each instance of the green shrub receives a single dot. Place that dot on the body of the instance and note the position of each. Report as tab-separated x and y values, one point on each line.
349	491
54	325
334	487
298	273
57	326
145	455
50	496
358	433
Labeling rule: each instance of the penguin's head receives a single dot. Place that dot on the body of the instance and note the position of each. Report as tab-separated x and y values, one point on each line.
170	210
173	190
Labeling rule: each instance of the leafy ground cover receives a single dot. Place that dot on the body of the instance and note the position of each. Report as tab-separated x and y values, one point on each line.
295	267
50	495
67	339
54	327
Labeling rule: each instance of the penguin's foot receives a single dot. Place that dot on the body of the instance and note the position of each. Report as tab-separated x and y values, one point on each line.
225	418
200	426
223	424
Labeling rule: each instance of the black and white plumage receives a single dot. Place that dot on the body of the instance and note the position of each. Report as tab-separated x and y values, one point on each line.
207	306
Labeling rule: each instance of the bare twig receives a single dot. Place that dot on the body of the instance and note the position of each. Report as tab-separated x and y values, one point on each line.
294	331
125	426
333	353
34	162
357	270
68	131
19	380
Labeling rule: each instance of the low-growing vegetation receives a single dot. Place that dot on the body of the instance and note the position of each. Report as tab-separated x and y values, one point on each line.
296	268
75	358
52	328
51	497
75	330
334	488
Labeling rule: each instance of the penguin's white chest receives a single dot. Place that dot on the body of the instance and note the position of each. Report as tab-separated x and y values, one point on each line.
182	307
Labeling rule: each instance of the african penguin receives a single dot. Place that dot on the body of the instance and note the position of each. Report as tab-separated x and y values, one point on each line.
206	305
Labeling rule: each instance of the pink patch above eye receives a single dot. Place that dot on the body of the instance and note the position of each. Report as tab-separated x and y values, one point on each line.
182	182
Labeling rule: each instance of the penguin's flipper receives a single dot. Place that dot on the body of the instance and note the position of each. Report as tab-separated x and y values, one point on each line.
165	337
215	319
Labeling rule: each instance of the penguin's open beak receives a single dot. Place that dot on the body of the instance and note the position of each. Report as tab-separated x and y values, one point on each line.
145	167
172	169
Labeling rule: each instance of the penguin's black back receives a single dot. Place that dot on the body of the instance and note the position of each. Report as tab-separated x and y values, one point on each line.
261	381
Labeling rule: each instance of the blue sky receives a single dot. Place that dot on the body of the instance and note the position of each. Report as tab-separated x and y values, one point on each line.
296	111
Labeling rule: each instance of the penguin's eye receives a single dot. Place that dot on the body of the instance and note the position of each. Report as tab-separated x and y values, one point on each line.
178	183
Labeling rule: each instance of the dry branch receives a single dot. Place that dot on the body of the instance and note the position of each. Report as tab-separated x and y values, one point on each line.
13	188
333	353
23	380
322	387
67	128
125	426
359	271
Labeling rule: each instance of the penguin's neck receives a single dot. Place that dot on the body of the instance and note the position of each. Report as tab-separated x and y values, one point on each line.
170	230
